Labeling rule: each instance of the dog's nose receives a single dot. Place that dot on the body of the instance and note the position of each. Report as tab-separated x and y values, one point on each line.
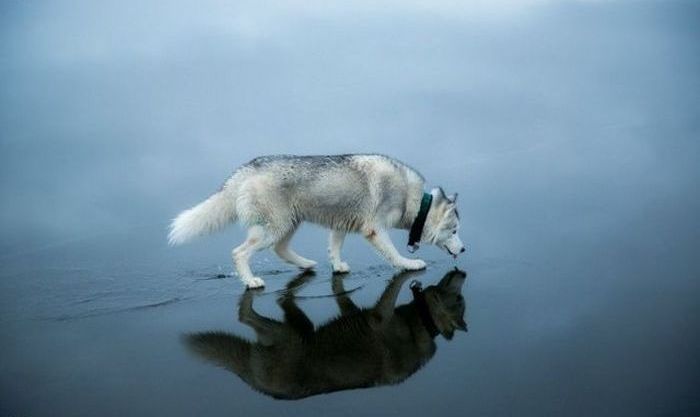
463	249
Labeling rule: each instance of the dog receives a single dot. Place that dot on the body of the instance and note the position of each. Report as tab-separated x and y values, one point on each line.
381	345
357	193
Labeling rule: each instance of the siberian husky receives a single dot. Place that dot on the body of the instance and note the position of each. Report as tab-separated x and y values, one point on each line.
367	194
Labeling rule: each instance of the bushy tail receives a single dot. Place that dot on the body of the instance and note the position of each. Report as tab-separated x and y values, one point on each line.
206	217
223	349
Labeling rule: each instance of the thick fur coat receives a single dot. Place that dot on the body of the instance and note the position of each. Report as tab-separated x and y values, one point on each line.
367	194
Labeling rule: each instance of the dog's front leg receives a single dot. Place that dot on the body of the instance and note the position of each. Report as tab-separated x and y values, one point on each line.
384	308
387	301
335	243
379	238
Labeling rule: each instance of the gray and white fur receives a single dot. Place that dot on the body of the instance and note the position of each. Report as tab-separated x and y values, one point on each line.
367	194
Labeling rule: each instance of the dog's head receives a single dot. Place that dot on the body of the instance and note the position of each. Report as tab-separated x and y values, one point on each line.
442	224
446	303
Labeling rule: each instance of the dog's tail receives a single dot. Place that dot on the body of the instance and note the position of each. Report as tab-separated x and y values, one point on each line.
223	349
209	216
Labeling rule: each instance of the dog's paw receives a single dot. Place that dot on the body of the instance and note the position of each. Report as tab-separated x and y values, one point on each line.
413	265
254	282
307	264
341	267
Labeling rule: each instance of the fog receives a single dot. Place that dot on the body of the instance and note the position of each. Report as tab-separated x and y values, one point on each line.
115	116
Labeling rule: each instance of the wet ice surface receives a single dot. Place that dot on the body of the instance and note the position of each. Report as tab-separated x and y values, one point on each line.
546	335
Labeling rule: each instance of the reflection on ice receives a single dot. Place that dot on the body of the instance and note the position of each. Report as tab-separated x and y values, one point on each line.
362	347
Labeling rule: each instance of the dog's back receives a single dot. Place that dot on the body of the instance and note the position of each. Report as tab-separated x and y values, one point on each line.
345	353
340	192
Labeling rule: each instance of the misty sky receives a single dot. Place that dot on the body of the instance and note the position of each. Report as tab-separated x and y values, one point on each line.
574	114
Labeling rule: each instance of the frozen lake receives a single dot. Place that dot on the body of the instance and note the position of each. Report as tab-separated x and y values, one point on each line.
97	327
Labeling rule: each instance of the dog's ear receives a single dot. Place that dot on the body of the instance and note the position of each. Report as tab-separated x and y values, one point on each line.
461	324
443	198
442	193
439	196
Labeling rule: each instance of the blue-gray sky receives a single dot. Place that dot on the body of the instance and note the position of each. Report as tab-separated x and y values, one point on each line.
118	114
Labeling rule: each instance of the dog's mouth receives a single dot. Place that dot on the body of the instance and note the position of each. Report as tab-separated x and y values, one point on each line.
454	255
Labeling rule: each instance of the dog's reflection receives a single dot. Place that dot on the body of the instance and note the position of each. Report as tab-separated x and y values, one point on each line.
362	347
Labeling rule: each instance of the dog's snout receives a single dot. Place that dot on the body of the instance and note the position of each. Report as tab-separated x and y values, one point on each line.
463	249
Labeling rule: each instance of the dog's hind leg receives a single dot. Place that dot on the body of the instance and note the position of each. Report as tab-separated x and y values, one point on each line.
295	317
335	243
267	330
345	304
379	238
259	238
283	251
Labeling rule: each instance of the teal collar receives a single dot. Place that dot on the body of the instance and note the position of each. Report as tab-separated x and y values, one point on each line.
417	226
